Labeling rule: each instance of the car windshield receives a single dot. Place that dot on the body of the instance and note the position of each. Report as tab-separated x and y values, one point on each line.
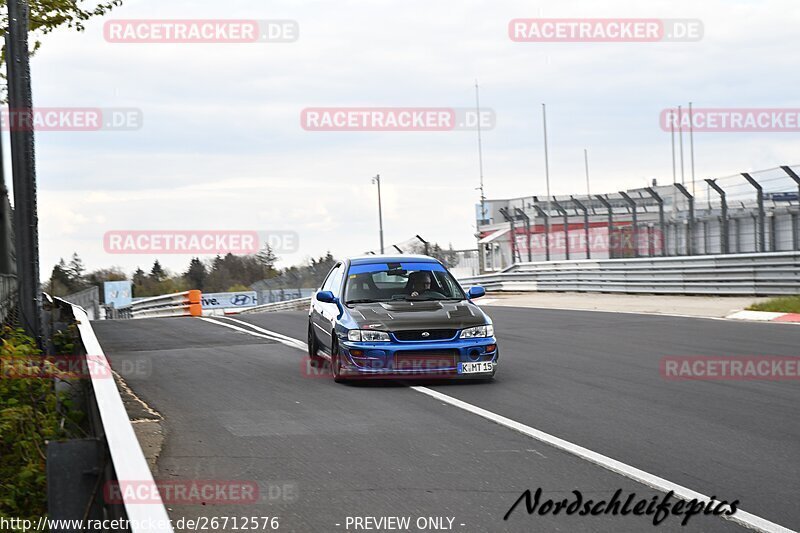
380	282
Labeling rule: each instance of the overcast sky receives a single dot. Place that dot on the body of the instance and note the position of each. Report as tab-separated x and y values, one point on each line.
222	147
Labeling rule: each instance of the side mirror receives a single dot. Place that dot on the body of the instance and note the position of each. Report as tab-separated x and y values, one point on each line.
476	292
326	297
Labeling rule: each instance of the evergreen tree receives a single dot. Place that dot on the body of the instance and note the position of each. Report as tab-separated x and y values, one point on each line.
157	273
196	274
76	269
139	277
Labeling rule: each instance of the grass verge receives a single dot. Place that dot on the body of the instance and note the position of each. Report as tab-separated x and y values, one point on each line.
784	304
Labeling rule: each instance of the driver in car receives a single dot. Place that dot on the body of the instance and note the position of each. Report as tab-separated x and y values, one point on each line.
420	285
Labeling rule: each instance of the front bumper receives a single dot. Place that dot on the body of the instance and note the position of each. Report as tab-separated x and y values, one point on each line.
423	359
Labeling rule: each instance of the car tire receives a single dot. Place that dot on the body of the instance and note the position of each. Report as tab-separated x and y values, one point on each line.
336	364
313	348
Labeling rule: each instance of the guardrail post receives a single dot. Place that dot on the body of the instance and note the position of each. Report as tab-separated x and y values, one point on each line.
724	237
690	198
661	224
546	218
585	223
566	226
632	204
527	220
610	209
762	245
510	220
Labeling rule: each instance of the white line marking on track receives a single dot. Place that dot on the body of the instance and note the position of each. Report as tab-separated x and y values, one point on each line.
263	333
741	517
644	313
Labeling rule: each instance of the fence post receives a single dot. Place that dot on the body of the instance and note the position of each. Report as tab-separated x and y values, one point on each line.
585	223
724	238
546	217
510	220
690	198
564	214
792	174
661	224
795	226
762	245
610	209
632	203
527	220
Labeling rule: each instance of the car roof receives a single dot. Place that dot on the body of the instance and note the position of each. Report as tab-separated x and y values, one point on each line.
398	258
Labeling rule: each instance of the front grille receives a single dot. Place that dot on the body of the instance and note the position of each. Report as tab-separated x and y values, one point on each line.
433	334
421	361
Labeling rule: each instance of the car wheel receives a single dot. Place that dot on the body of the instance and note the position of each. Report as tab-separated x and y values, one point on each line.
336	363
313	348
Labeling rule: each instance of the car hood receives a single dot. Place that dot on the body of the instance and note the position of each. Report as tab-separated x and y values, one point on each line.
394	316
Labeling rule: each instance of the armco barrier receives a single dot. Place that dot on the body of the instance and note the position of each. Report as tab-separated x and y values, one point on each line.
185	303
755	274
127	458
287	305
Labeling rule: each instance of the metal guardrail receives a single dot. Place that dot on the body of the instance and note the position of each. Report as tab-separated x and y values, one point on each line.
287	305
754	274
127	458
88	299
185	303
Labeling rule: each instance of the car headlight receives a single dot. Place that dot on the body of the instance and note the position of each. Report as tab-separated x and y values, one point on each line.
478	332
367	335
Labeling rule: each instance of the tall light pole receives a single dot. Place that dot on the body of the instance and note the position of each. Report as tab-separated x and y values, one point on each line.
691	146
377	179
586	162
680	142
480	153
672	129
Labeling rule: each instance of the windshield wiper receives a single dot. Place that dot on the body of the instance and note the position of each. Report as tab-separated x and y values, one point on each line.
362	301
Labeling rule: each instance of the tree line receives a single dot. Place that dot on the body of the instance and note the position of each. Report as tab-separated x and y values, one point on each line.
226	273
218	274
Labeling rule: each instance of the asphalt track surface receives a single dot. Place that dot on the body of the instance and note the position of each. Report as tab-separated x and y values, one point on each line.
242	407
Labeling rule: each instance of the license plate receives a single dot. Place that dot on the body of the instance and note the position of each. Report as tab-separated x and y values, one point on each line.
480	367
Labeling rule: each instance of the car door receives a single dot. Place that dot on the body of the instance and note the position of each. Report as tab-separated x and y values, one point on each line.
324	314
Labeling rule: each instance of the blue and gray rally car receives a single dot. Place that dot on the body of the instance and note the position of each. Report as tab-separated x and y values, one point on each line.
399	317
